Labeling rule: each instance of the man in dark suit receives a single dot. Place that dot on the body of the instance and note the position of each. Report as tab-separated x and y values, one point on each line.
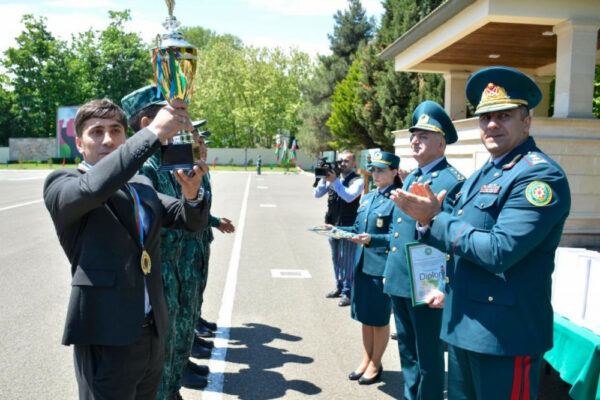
502	232
108	222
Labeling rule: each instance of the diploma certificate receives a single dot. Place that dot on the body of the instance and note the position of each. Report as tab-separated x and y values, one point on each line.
427	270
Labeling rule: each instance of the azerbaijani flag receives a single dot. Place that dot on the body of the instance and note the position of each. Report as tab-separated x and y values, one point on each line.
284	155
277	148
293	152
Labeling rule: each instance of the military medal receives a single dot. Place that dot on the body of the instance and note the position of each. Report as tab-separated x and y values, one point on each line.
146	262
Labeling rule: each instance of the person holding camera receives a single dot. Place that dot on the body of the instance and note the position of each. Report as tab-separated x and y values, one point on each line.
344	190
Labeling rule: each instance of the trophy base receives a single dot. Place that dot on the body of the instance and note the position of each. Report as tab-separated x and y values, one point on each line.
177	156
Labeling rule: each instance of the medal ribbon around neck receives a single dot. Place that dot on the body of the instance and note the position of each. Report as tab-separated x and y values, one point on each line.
145	261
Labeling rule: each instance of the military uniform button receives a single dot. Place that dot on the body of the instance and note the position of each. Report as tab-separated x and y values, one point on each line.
380	201
365	220
447	280
362	245
490	299
396	234
482	205
435	174
497	174
447	257
459	212
399	220
387	251
393	249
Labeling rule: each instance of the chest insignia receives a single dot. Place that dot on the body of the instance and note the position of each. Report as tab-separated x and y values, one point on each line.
493	188
380	222
538	193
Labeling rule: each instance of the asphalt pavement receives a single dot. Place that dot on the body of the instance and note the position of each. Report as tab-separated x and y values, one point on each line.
278	337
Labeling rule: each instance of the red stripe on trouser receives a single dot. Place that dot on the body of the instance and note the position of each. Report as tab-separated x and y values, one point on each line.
518	373
521	388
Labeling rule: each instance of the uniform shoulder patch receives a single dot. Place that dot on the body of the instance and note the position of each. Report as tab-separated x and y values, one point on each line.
538	193
535	158
454	172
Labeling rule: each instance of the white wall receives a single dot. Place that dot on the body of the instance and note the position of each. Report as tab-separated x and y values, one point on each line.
4	152
224	157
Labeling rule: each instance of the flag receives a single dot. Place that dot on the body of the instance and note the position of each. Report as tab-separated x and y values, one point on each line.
284	154
293	152
277	148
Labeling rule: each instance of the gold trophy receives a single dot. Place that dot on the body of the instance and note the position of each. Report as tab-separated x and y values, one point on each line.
174	64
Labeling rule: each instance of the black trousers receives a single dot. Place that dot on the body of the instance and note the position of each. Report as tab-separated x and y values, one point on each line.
131	372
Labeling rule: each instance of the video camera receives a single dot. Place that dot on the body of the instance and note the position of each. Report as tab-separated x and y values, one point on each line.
324	166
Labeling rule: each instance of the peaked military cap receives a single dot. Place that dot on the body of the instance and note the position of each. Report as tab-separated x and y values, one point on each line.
140	99
430	116
383	159
501	88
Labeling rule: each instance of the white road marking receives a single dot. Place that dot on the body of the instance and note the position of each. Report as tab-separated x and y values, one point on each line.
31	178
290	273
21	205
268	205
262	187
216	379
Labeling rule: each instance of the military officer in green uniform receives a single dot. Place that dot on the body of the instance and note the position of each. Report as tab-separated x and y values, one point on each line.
503	232
418	327
141	106
369	304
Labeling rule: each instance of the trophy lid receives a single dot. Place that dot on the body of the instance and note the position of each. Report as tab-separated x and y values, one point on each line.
173	37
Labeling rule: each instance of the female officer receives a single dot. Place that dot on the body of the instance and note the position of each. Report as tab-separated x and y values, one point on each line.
370	305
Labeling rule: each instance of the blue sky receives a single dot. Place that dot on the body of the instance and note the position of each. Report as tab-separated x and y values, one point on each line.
303	24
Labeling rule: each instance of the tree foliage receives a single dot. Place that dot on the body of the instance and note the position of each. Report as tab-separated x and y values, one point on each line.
248	94
44	73
352	29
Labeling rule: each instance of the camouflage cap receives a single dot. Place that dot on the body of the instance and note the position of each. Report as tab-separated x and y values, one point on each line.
140	99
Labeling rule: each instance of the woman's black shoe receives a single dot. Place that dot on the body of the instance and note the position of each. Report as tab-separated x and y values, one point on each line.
354	376
368	381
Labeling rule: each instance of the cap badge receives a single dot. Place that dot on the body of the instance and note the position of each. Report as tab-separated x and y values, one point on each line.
493	92
423	119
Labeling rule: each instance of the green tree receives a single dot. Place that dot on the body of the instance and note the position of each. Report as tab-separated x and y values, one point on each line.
352	29
41	79
343	122
388	98
111	63
7	123
248	94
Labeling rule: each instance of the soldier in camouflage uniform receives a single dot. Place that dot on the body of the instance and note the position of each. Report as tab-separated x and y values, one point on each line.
193	270
141	107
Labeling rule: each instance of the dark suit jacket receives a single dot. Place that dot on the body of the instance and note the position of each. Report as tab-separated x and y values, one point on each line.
93	214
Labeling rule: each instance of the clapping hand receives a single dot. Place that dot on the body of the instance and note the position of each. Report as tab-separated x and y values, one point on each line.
420	203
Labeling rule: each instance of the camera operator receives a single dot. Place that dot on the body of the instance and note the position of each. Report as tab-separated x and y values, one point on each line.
344	197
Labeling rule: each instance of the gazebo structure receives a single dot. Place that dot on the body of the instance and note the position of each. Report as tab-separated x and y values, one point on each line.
544	39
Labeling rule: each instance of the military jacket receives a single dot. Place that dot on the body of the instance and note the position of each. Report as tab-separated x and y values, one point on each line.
503	233
373	216
442	176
